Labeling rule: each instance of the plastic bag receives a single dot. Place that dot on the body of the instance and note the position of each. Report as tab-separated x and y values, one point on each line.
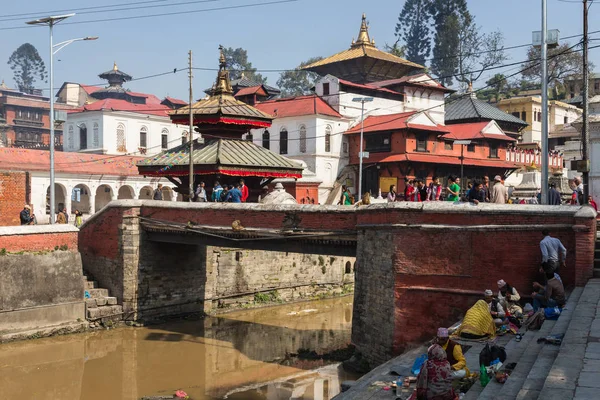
528	308
416	368
552	312
484	379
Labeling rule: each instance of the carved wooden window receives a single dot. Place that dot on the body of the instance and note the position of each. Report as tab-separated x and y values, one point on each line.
143	137
266	140
70	137
121	142
327	138
96	136
164	139
302	139
283	141
82	137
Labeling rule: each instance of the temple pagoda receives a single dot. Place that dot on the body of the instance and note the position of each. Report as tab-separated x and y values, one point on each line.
363	62
222	154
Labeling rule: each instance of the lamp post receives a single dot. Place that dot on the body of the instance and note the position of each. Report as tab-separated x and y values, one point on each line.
50	22
361	100
462	144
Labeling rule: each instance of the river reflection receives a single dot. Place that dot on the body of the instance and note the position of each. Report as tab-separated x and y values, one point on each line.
240	355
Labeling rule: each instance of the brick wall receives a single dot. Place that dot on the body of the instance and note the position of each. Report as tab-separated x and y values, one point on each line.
34	238
13	196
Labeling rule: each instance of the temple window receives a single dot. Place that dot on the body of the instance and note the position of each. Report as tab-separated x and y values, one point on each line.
164	139
266	140
448	146
326	89
524	115
82	137
471	148
143	137
96	137
283	141
121	142
378	143
493	151
421	143
302	139
328	138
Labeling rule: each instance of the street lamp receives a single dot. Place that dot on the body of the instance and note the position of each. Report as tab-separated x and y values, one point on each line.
361	100
50	22
462	144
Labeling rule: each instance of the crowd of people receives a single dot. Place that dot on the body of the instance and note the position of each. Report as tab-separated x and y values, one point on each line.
235	193
488	316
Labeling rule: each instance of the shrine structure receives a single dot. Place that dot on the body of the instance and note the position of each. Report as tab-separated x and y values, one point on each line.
221	155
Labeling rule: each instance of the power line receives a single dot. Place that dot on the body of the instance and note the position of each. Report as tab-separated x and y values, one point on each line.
240	6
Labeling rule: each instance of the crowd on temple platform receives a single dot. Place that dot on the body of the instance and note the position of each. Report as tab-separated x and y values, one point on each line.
492	315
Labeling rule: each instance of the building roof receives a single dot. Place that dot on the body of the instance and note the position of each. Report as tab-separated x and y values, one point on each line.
469	108
363	62
175	101
245	82
12	159
88	88
221	107
475	131
369	86
414	80
439	159
378	123
246	91
297	106
123	105
222	156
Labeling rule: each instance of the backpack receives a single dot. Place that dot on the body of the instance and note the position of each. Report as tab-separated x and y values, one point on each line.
491	353
535	322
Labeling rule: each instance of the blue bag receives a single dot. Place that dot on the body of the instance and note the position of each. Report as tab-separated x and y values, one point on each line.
416	368
552	312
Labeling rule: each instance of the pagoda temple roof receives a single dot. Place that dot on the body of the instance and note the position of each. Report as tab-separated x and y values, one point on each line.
363	62
221	107
234	157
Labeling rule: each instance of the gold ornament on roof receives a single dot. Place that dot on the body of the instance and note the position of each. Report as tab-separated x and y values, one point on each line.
363	35
115	68
223	84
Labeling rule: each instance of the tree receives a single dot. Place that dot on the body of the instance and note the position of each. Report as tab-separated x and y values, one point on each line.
395	49
27	67
563	61
449	16
237	62
413	29
477	52
298	82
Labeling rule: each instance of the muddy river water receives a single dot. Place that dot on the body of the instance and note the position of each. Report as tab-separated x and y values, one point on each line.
241	355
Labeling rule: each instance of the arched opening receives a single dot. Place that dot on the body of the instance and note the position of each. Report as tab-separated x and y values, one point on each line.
104	195
146	193
121	140
354	266
82	137
125	193
266	140
348	269
283	141
60	194
167	193
80	199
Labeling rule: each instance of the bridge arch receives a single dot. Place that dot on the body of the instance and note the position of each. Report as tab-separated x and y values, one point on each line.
126	192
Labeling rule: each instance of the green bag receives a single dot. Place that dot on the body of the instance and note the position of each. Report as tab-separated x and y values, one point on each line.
484	379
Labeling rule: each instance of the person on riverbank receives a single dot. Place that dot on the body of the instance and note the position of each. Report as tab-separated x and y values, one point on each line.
435	379
454	354
244	191
499	193
224	194
495	308
508	297
486	188
158	194
592	203
476	195
550	295
391	197
453	188
553	196
78	218
25	215
554	254
434	190
478	322
216	192
201	193
61	218
421	191
347	199
234	195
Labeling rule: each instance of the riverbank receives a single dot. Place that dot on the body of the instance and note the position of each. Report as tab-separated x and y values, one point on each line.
258	350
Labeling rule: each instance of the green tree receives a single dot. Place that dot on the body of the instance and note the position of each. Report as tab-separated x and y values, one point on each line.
237	62
413	28
396	49
27	67
298	82
449	17
563	61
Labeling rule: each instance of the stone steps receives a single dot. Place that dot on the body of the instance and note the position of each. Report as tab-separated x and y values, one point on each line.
100	306
575	372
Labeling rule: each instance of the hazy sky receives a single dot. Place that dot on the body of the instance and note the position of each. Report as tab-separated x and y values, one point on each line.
277	36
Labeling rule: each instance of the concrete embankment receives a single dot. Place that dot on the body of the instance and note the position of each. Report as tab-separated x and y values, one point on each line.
41	286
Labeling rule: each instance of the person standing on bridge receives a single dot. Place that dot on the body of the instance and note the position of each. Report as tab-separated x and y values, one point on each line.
499	194
201	193
234	195
216	192
244	191
391	197
158	194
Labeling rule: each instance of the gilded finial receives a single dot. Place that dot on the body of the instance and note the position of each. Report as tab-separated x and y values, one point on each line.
222	59
363	35
223	84
115	68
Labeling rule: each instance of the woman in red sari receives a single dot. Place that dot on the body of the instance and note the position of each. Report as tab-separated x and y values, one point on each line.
435	379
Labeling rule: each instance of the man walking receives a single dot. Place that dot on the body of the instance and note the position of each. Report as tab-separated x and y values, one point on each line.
244	191
66	216
553	196
158	194
554	254
234	195
499	194
201	193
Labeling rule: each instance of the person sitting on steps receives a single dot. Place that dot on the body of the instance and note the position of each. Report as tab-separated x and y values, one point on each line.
454	354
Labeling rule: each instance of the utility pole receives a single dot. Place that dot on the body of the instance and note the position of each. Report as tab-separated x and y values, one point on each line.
544	180
191	139
585	133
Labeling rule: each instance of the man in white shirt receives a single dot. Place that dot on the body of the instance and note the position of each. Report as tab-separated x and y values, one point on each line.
496	310
554	254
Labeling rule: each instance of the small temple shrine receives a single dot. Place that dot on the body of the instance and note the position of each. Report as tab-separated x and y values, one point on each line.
221	155
363	62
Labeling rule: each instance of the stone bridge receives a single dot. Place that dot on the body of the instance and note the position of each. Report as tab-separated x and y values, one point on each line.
419	265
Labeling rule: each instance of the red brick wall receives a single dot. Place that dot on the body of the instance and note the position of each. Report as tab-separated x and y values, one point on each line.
13	196
42	241
99	237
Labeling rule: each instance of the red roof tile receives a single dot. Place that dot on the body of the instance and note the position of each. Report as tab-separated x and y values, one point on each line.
251	90
437	159
473	131
176	101
411	80
297	106
90	89
368	86
376	123
123	105
12	159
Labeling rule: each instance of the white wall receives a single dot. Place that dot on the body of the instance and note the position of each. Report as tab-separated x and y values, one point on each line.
108	122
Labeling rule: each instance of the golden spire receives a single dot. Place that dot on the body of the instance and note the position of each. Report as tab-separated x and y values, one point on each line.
363	35
115	68
223	85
